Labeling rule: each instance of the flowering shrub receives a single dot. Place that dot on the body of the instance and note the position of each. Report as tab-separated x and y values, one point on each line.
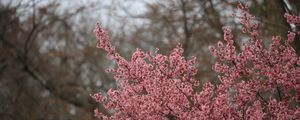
257	83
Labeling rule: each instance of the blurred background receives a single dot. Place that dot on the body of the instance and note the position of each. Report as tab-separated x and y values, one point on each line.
49	63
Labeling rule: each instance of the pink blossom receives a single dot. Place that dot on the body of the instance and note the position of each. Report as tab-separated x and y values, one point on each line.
292	19
259	82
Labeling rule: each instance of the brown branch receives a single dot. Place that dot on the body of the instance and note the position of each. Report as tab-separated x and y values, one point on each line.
41	80
187	32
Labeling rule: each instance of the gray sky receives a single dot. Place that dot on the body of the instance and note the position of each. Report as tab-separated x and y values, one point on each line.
108	12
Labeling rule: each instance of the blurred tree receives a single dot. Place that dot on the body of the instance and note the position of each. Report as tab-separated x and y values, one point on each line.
46	69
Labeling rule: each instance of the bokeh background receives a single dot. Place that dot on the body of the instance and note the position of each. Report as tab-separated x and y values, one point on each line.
49	63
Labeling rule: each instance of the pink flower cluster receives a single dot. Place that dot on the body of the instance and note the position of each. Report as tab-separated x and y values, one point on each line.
257	83
292	19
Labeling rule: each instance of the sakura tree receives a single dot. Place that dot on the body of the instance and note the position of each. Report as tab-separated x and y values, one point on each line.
259	82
